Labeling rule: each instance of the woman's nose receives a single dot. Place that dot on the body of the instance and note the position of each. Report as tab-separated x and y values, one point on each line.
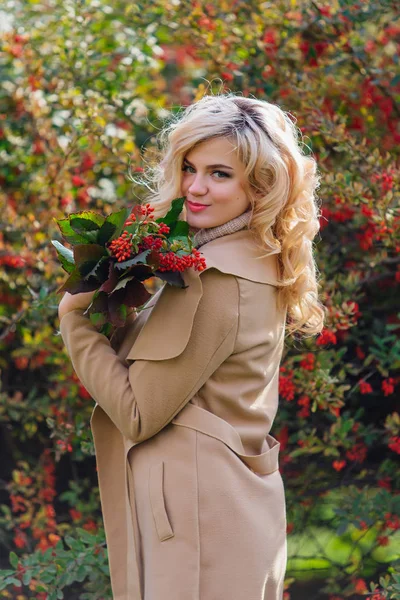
197	185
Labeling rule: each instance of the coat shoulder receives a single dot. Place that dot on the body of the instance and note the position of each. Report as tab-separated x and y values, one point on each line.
261	320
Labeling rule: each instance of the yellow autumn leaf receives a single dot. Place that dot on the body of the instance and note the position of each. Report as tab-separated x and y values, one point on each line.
101	121
27	337
129	146
40	236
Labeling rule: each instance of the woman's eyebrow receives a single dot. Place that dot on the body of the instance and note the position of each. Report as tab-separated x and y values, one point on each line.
210	166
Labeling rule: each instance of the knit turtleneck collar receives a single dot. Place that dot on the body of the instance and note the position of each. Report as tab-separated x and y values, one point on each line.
206	234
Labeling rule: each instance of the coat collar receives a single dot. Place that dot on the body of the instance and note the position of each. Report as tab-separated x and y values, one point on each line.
238	254
169	319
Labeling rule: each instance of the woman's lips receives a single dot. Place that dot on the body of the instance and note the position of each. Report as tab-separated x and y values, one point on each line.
196	207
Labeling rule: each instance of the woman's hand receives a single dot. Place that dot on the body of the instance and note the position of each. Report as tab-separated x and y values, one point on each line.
72	301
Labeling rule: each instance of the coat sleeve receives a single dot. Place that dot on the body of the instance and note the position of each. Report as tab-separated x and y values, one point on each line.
144	397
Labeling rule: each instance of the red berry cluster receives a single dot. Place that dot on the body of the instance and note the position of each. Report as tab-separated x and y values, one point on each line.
145	210
172	262
12	261
163	228
154	243
121	248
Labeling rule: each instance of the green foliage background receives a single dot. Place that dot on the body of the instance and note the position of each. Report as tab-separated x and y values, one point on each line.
84	88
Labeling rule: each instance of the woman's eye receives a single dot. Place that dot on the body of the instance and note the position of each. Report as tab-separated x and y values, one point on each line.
220	172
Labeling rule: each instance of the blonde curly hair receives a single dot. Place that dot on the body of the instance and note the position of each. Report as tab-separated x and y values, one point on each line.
281	186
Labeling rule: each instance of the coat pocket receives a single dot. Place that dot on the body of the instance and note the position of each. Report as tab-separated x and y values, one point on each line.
156	494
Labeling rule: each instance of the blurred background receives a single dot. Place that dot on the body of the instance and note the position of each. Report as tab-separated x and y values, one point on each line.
84	88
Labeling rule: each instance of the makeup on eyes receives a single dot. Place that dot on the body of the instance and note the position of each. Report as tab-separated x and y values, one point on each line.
187	164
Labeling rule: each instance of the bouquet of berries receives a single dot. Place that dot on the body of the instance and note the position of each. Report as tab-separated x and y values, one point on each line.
114	255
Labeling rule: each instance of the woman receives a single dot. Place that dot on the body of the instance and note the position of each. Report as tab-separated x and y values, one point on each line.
192	498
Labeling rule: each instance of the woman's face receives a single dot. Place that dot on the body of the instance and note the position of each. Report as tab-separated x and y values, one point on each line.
213	175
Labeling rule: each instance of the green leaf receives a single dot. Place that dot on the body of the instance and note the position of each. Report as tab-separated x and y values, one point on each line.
52	569
65	256
123	310
88	252
139	258
83	225
71	236
88	257
98	318
13	559
14	581
27	577
3	582
75	284
92	219
86	535
396	587
81	573
173	213
106	233
105	569
73	543
107	330
6	572
112	226
179	230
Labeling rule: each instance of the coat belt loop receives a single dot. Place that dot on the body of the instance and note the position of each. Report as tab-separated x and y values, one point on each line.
204	421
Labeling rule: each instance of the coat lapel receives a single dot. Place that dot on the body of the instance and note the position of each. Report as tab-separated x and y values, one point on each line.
238	254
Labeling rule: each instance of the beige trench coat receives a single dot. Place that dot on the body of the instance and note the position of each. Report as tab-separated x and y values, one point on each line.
191	495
